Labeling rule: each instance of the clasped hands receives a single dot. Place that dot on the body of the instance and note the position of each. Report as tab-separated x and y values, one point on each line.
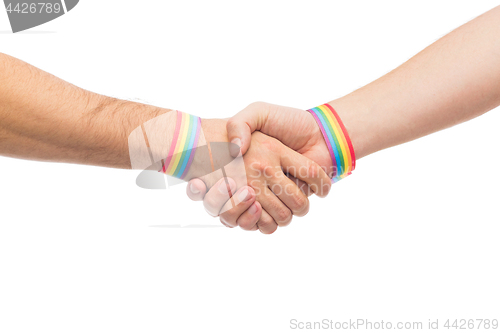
286	160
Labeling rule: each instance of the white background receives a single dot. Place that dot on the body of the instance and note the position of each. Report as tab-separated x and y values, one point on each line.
412	235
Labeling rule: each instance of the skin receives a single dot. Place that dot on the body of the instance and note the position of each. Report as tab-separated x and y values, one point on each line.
277	195
455	79
44	118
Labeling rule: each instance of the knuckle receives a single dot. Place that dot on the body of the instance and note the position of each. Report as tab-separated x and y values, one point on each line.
268	228
256	105
258	166
265	222
284	224
209	202
273	174
283	216
300	205
246	224
271	144
327	186
210	205
225	222
211	212
231	123
228	217
313	170
261	169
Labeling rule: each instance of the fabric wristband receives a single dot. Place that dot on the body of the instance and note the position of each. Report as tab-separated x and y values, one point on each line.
337	139
183	147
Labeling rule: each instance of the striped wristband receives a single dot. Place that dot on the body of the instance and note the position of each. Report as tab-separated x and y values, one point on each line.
183	147
337	139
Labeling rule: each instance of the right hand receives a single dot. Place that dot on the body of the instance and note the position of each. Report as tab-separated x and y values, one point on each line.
276	197
295	128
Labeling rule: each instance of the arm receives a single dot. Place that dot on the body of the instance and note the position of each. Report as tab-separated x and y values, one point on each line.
455	79
45	118
267	163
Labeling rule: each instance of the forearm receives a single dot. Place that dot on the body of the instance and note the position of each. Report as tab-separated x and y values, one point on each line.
455	79
45	118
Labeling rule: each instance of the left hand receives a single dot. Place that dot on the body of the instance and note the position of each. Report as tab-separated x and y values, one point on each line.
295	128
266	162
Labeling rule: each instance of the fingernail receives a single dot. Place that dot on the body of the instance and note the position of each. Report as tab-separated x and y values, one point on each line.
236	141
235	147
223	187
193	189
243	196
253	209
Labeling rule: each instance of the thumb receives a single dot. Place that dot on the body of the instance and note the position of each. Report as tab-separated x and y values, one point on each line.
196	189
242	125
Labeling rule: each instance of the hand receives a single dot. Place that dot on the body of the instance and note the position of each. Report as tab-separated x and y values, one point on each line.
295	128
277	196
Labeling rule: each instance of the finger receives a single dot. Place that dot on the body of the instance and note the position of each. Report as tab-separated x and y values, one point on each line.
266	224
226	225
302	185
243	199
241	126
196	189
248	220
218	195
280	213
306	170
289	193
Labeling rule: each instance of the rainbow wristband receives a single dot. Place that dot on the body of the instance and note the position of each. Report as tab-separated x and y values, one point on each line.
337	139
183	147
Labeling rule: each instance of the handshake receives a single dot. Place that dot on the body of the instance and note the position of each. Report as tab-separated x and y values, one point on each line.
255	170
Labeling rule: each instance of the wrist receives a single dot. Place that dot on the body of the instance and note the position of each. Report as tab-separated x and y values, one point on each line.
355	117
214	130
337	140
117	119
207	160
